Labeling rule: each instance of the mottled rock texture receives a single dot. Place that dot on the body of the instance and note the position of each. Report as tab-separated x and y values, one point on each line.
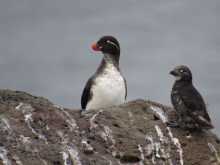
34	131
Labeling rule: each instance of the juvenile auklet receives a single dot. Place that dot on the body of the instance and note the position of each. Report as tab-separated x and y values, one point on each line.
107	87
187	102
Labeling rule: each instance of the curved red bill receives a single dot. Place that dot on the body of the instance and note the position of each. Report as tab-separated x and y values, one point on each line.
95	47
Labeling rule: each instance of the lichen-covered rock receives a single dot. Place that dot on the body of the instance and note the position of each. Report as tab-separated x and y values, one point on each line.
36	132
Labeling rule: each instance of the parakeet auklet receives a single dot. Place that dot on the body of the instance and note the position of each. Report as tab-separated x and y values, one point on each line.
107	87
187	102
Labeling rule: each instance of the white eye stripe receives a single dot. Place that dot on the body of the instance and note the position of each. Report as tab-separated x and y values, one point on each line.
112	44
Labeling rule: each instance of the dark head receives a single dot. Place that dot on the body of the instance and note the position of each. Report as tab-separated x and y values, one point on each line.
109	45
182	73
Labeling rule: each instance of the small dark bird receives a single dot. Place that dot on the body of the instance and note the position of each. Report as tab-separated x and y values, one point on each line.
187	102
107	87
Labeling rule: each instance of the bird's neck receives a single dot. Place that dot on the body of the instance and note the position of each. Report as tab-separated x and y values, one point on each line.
182	84
109	59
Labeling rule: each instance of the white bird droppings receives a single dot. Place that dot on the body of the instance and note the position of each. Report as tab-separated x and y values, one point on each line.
175	141
73	152
160	112
214	151
150	148
28	112
141	151
91	121
65	157
74	155
17	160
71	122
3	156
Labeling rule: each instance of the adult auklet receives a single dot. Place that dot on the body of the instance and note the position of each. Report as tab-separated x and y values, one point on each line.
187	102
107	87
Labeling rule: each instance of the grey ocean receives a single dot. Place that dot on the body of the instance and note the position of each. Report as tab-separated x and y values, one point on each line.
45	47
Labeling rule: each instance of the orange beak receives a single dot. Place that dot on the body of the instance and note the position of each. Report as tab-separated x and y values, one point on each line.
96	47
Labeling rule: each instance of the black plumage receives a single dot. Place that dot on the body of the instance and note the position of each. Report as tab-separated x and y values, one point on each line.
187	101
87	93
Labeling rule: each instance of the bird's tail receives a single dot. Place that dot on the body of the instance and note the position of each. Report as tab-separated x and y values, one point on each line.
206	123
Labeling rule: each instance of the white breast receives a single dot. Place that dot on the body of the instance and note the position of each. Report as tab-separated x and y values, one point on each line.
108	90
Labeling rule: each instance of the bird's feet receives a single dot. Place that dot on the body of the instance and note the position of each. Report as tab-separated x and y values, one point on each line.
172	124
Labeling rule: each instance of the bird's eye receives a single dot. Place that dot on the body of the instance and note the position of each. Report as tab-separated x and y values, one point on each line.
108	41
181	70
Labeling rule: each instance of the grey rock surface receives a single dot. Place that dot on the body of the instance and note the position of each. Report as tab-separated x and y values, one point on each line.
34	131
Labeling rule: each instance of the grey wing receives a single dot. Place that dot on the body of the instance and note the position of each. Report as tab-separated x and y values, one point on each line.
125	89
85	98
86	95
195	106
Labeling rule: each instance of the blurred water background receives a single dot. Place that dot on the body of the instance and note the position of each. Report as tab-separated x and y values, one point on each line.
45	47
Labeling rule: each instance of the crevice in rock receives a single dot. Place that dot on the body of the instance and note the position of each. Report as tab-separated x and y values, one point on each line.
156	118
116	125
129	159
183	144
57	163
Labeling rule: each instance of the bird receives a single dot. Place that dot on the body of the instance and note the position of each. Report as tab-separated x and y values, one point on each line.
188	102
107	87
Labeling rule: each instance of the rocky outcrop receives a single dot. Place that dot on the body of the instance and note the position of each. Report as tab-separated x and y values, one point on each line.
34	131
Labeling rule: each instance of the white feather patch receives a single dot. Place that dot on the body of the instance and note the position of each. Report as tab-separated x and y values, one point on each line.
109	89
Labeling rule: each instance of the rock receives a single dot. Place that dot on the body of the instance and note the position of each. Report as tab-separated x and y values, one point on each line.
34	131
